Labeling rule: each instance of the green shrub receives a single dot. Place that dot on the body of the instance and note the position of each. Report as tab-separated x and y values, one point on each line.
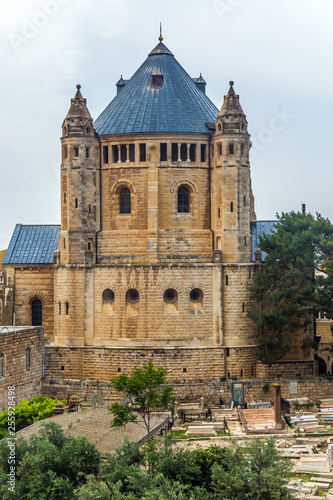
27	413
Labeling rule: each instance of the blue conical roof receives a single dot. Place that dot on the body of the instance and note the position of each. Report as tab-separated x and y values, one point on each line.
178	106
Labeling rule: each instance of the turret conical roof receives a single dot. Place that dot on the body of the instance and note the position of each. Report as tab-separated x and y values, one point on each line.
231	104
170	103
78	107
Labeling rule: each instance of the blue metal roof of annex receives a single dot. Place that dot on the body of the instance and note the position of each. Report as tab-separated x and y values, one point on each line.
32	244
178	106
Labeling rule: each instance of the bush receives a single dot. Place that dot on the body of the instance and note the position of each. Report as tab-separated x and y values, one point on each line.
49	465
27	413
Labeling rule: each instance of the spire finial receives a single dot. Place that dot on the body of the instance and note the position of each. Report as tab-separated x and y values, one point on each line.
231	83
160	37
78	86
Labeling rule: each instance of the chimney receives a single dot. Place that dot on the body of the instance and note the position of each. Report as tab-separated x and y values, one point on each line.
303	208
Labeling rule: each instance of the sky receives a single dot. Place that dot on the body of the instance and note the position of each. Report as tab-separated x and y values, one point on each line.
278	53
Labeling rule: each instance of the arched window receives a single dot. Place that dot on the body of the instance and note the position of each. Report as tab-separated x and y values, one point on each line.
125	201
183	200
36	313
108	296
132	296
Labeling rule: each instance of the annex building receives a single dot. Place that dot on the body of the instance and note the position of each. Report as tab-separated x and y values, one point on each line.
156	247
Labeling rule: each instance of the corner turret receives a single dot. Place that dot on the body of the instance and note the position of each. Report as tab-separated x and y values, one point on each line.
232	199
79	183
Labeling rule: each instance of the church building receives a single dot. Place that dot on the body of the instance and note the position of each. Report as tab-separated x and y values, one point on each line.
156	248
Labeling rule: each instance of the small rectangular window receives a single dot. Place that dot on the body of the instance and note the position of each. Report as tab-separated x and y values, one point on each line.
157	81
67	308
132	153
183	152
231	206
65	197
227	280
231	149
64	151
2	365
59	308
89	246
244	201
76	203
123	153
87	152
219	148
64	241
174	151
243	307
227	352
89	209
163	151
242	149
28	358
76	152
212	150
193	148
115	154
203	153
142	152
105	154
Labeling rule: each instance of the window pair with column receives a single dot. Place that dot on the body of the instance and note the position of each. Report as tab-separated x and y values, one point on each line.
183	200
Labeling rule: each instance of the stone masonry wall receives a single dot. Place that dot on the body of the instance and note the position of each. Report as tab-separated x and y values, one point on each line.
238	329
286	369
212	391
33	282
105	363
13	345
149	322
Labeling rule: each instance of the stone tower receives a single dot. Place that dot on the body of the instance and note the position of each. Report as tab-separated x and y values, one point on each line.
232	199
79	184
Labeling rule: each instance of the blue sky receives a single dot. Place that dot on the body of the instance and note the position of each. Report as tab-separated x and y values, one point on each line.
278	53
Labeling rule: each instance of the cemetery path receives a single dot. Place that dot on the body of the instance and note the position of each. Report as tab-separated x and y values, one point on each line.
96	425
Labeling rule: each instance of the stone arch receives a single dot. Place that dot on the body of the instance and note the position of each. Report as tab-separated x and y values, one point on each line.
116	190
122	183
37	296
186	183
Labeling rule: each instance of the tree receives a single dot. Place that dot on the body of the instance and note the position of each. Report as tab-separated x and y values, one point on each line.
146	393
286	293
253	472
49	465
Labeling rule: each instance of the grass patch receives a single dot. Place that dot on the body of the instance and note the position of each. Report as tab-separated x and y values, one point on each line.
182	435
295	475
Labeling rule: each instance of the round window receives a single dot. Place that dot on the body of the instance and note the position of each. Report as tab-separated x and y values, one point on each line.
132	296
170	296
196	295
108	296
